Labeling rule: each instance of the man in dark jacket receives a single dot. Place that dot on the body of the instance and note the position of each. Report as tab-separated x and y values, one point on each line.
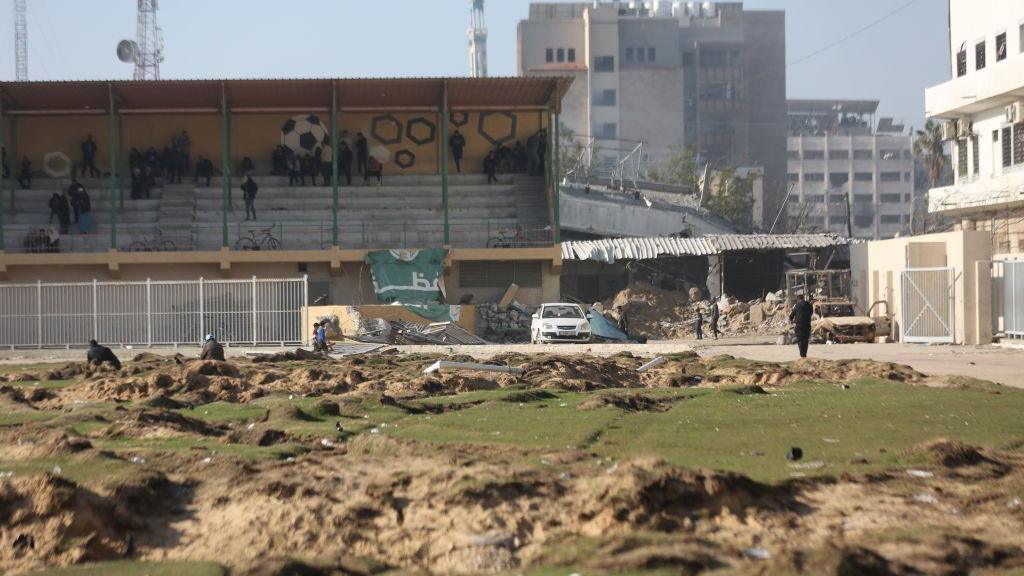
25	175
458	144
362	154
490	167
89	157
212	350
249	189
345	162
97	355
800	316
75	198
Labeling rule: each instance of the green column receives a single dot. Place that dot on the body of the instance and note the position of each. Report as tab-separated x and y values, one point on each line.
225	166
2	184
334	163
123	164
112	145
556	171
12	157
444	161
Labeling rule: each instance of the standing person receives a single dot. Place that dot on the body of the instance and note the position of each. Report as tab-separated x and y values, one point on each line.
518	157
295	170
362	154
542	148
73	197
490	167
89	156
316	337
715	315
184	144
345	162
25	174
458	144
327	165
204	169
698	324
85	211
532	154
55	201
97	355
374	168
321	335
800	316
212	350
64	213
316	165
249	189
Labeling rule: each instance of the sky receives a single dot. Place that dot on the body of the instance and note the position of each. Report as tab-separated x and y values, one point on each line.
893	61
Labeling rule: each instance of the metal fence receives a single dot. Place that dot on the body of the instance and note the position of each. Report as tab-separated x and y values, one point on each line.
1013	299
254	311
928	305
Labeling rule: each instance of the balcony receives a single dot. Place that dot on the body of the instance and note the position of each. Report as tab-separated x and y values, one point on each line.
993	87
1001	193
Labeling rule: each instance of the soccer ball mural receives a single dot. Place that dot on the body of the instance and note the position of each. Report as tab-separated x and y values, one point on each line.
302	134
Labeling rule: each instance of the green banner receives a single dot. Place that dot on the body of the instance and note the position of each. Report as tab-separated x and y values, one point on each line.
408	276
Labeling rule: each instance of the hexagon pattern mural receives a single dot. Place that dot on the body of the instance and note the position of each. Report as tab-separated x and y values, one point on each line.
386	129
405	159
497	127
420	131
458	119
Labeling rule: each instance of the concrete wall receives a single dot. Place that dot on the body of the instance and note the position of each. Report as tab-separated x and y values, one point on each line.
877	268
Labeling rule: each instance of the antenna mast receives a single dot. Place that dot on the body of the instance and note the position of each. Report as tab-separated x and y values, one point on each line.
477	40
20	41
150	42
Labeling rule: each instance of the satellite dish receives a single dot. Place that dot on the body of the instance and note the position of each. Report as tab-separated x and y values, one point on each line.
127	51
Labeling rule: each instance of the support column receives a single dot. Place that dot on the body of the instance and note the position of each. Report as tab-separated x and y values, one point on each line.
225	135
556	171
123	164
2	183
334	164
444	161
112	145
12	157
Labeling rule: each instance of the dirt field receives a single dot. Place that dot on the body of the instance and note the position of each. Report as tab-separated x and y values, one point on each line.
705	464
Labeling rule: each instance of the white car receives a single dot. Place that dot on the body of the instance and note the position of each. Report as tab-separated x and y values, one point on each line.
560	323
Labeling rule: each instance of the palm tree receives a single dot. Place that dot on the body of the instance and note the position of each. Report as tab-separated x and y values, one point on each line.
930	146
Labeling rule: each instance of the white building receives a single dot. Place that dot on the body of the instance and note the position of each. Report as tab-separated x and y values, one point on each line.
982	108
838	157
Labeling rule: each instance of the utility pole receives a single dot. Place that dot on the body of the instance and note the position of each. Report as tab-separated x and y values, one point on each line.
477	40
20	41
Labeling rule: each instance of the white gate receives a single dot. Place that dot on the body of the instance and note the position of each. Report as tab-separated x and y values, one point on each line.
928	305
255	311
1013	299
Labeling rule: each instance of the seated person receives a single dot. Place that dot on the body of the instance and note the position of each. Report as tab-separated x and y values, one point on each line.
97	355
212	350
374	168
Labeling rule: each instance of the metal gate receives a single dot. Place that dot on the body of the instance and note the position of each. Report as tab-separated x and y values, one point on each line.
1013	299
255	311
928	305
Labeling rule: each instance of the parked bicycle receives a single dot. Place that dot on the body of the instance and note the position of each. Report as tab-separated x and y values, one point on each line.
508	238
154	242
258	240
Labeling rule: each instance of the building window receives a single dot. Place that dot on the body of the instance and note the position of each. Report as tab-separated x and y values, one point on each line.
889	177
604	64
961	63
1001	47
837	179
891	219
814	154
839	154
979	55
906	176
890	198
863	177
976	154
639	54
499	274
962	170
714	59
837	198
605	98
572	54
889	154
629	54
793	154
688	56
863	199
561	54
1018	144
815	199
1007	147
863	154
814	177
609	131
1021	38
864	220
794	177
549	55
650	55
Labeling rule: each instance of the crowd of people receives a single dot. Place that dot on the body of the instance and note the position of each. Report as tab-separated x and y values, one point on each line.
502	159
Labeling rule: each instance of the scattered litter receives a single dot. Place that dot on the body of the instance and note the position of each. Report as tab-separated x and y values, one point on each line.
920	473
250	426
326	443
808	465
830	440
6	474
138	460
379	331
374	430
652	364
57	470
1015	503
925	498
757	553
795	453
446	365
207	460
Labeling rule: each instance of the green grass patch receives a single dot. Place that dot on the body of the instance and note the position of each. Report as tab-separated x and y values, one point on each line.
127	568
206	446
44	384
80	468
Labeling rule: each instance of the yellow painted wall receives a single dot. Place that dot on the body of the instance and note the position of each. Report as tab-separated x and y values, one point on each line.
40	135
157	131
477	147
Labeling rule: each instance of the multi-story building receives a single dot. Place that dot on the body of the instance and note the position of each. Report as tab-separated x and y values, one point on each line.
846	173
706	75
982	109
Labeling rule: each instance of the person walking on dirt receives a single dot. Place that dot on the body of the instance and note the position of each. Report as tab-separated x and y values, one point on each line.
321	335
97	355
715	315
249	189
212	350
800	316
698	325
318	341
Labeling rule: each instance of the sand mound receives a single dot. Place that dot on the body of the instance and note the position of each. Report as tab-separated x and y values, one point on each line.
158	424
628	402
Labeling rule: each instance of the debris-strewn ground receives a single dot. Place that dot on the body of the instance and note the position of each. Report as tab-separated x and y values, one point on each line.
300	465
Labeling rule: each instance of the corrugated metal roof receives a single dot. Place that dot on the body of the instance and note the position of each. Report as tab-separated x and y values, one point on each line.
610	250
314	93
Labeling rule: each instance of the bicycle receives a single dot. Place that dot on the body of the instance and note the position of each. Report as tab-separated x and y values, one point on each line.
508	238
264	240
152	243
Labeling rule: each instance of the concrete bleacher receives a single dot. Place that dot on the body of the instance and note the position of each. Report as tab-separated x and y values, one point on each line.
406	211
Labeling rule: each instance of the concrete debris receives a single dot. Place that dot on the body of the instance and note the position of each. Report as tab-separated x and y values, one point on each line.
652	364
506	326
445	366
376	330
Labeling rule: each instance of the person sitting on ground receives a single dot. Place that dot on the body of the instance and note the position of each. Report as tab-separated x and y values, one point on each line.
212	350
374	168
97	355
